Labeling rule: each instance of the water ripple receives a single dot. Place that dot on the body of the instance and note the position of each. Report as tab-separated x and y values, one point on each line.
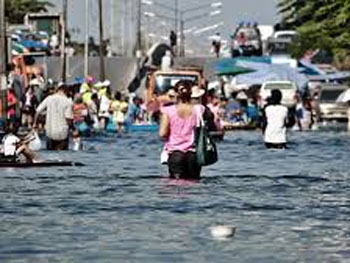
292	205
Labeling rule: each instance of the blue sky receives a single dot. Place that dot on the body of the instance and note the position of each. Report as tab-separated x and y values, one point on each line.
233	11
262	11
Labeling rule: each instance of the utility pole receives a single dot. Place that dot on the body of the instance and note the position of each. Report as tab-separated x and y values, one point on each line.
138	43
63	42
3	52
101	50
123	22
113	38
182	36
176	22
86	46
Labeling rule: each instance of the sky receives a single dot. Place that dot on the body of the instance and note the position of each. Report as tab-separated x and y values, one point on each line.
233	11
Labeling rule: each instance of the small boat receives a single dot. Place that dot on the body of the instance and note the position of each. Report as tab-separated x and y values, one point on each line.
143	128
239	127
10	163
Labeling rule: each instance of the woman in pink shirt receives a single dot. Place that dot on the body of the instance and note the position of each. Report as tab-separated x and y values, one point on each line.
177	128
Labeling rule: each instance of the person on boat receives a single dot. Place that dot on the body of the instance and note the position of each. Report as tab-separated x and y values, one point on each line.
177	129
104	95
134	114
93	106
252	112
275	122
29	104
119	108
233	110
59	118
13	146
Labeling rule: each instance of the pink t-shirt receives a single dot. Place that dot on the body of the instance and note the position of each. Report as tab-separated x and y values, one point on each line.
181	137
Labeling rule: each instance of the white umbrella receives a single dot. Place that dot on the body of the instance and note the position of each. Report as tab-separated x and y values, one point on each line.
344	96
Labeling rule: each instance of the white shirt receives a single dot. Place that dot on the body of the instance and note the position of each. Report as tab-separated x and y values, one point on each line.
166	63
104	107
54	41
58	109
276	131
9	142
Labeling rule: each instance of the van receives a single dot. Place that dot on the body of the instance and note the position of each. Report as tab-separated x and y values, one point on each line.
159	82
328	107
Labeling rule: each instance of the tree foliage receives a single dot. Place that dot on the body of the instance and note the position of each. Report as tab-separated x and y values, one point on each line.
322	24
15	10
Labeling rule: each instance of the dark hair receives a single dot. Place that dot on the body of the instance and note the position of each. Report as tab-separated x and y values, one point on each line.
11	127
276	97
94	96
183	88
117	95
62	86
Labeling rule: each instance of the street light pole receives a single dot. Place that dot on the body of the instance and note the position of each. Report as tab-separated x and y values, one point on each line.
138	41
63	42
176	20
101	49
182	37
3	51
86	47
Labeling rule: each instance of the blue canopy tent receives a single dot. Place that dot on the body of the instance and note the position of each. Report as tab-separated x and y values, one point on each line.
271	72
263	70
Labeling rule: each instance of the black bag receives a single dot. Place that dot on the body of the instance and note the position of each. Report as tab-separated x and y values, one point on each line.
206	151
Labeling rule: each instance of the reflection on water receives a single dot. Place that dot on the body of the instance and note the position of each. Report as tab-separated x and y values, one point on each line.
288	206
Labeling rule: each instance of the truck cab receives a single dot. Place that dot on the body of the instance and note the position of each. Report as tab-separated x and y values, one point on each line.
160	82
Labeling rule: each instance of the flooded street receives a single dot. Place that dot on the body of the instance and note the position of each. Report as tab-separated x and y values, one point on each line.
287	206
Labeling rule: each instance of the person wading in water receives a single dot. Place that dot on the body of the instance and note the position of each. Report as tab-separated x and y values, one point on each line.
275	122
59	119
177	129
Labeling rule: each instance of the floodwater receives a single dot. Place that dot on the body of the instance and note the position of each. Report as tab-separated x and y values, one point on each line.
287	206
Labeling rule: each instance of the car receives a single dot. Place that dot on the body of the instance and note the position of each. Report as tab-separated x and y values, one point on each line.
33	43
246	41
291	35
289	91
328	107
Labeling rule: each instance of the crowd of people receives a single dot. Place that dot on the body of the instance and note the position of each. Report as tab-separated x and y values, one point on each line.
91	106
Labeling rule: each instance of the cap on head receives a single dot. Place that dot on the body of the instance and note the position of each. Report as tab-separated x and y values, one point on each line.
61	86
171	93
89	79
197	92
106	83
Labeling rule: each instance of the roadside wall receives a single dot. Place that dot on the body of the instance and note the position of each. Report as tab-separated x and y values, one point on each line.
119	70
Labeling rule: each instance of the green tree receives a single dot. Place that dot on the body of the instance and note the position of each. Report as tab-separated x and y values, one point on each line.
15	10
290	10
322	24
